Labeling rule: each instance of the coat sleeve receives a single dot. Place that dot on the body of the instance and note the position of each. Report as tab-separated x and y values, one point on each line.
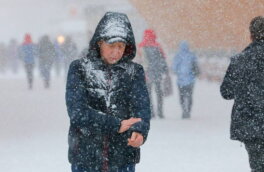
228	85
80	113
140	103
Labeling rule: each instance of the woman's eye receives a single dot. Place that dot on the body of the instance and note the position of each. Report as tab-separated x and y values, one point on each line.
121	46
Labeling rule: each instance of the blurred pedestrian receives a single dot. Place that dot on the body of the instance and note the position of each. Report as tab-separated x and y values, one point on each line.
3	57
12	54
186	68
59	56
28	54
47	55
156	69
244	82
107	101
70	52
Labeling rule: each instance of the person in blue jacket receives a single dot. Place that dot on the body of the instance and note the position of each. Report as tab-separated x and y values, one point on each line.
107	101
186	68
28	54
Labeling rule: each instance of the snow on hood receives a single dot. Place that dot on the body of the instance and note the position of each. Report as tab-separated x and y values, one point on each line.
113	25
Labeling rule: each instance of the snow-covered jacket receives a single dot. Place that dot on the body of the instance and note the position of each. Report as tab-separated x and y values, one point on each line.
185	65
100	96
244	82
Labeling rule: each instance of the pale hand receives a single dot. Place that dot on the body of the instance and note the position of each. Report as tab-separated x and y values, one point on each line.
126	124
136	140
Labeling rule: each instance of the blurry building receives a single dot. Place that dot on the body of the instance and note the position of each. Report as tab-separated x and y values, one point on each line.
205	23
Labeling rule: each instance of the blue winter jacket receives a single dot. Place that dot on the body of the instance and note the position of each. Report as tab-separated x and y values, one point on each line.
28	53
185	65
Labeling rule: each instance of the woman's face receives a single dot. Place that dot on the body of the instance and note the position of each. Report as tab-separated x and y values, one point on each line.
111	53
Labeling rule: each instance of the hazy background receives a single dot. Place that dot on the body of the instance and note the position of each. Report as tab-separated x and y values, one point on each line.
34	123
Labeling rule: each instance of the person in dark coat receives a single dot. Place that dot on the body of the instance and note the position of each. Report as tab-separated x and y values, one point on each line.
156	68
107	101
185	66
59	56
244	82
46	58
12	55
70	51
3	57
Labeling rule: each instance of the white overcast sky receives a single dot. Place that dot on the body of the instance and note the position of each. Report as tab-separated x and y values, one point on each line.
40	16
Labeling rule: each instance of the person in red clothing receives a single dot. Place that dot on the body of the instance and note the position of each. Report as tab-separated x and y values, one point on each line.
156	68
27	53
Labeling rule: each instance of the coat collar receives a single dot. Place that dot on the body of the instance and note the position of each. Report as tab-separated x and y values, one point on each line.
99	63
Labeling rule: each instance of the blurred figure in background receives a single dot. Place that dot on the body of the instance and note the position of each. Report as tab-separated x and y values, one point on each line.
46	58
244	82
59	56
12	54
186	68
70	52
28	54
156	67
3	58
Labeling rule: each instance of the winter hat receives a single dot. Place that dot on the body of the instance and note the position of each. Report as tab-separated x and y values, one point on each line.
27	39
149	35
114	28
149	39
115	39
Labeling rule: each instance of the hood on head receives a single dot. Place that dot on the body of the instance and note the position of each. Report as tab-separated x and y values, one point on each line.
149	39
27	39
114	27
184	45
149	35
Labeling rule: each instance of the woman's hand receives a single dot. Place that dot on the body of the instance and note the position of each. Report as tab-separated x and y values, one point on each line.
126	124
136	140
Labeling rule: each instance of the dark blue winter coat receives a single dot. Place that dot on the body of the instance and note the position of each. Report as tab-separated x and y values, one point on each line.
100	96
244	82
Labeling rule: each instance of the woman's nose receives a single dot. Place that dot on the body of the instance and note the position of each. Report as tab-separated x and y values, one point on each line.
116	50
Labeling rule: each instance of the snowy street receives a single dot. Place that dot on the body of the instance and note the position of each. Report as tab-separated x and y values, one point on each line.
34	126
191	39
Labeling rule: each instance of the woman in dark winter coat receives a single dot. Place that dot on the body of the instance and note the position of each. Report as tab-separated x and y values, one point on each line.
107	101
244	82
